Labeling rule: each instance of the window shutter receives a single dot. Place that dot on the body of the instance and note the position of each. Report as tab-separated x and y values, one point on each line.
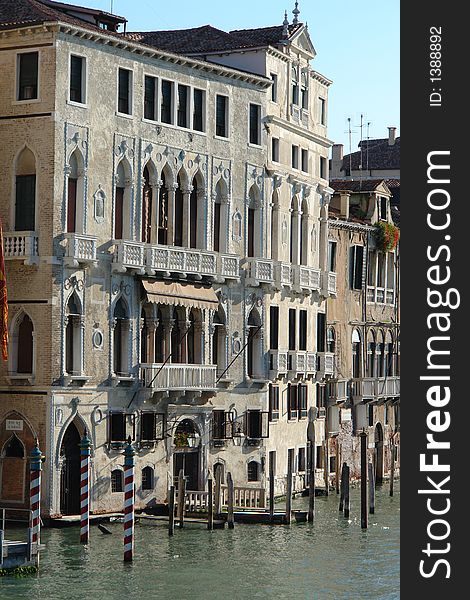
265	424
228	425
25	203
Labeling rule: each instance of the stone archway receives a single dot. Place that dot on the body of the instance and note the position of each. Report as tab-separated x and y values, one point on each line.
186	456
70	471
379	453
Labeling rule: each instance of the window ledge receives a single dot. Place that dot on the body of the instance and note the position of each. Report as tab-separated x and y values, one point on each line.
77	380
20	378
255	146
124	115
221	138
77	104
117	379
21	102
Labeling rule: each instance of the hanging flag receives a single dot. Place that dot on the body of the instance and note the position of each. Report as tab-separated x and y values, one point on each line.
3	300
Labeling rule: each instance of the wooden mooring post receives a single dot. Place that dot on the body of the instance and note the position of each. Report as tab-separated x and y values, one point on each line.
311	486
218	493
210	505
337	466
392	467
230	516
371	489
181	497
342	487
347	502
363	435
326	465
288	515
271	487
171	510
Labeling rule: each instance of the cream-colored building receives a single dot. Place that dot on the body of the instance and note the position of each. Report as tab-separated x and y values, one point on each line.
164	205
363	325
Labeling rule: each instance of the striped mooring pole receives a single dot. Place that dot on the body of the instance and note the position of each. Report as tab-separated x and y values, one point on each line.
35	493
128	501
85	445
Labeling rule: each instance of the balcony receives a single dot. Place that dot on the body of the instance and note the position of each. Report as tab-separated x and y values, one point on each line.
277	363
21	245
331	287
338	391
325	364
179	377
300	115
259	272
186	262
306	279
282	275
370	389
380	295
300	362
80	249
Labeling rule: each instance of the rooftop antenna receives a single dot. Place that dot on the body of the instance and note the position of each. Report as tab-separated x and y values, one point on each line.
111	10
350	146
285	29
296	13
367	147
360	165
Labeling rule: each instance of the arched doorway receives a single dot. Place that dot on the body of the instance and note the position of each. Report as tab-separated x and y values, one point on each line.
379	453
13	470
70	473
186	455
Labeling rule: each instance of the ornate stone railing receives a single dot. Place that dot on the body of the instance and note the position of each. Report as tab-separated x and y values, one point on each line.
179	377
260	271
80	249
300	361
373	388
326	363
306	279
278	362
338	390
22	245
128	255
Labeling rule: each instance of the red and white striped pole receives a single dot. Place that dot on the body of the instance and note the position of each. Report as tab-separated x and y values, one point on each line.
129	453
35	493
85	488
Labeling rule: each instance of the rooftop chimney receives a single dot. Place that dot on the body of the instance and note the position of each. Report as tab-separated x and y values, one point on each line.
337	152
391	135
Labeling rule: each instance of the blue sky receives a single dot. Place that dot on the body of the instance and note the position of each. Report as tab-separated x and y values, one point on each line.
357	44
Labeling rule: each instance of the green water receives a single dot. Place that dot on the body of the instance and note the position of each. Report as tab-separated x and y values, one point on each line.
333	559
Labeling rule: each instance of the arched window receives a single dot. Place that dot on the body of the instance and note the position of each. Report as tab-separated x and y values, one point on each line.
381	355
294	231
254	222
24	351
219	468
14	448
371	354
159	338
220	217
304	90
178	213
356	354
254	471
193	216
147	478
75	193
144	332
13	470
25	191
163	211
391	355
121	338
295	85
146	207
73	345
275	218
176	339
219	337
117	481
122	201
303	234
254	349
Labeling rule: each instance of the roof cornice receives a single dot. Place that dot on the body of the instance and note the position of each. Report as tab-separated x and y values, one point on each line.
358	227
306	133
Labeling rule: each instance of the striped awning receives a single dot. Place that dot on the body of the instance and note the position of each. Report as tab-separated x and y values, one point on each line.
191	295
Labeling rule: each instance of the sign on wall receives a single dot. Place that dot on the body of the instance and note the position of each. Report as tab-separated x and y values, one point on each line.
14	425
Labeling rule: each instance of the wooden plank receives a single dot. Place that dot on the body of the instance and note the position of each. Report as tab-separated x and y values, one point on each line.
288	516
171	510
181	497
210	506
230	517
271	486
346	492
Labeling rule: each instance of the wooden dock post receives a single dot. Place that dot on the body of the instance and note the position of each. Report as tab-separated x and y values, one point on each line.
347	503
84	445
230	517
271	487
288	515
363	435
181	497
311	486
171	510
2	535
337	466
210	505
326	466
371	489
129	501
392	467
218	493
342	487
35	492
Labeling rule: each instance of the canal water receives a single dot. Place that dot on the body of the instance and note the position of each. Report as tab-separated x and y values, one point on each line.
331	559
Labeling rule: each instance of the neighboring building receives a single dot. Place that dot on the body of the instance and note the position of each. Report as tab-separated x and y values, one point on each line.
166	237
363	324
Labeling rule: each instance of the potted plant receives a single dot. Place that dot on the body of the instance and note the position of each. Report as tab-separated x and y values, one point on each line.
386	236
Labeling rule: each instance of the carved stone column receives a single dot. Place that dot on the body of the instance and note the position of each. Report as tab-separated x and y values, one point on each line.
187	216
171	213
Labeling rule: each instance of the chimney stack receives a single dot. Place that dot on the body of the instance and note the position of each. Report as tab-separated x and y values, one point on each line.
337	152
391	135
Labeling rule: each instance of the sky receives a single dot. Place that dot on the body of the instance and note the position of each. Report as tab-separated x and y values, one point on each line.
357	44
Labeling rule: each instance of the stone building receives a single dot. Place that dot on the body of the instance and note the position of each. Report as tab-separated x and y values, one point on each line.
165	205
363	324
